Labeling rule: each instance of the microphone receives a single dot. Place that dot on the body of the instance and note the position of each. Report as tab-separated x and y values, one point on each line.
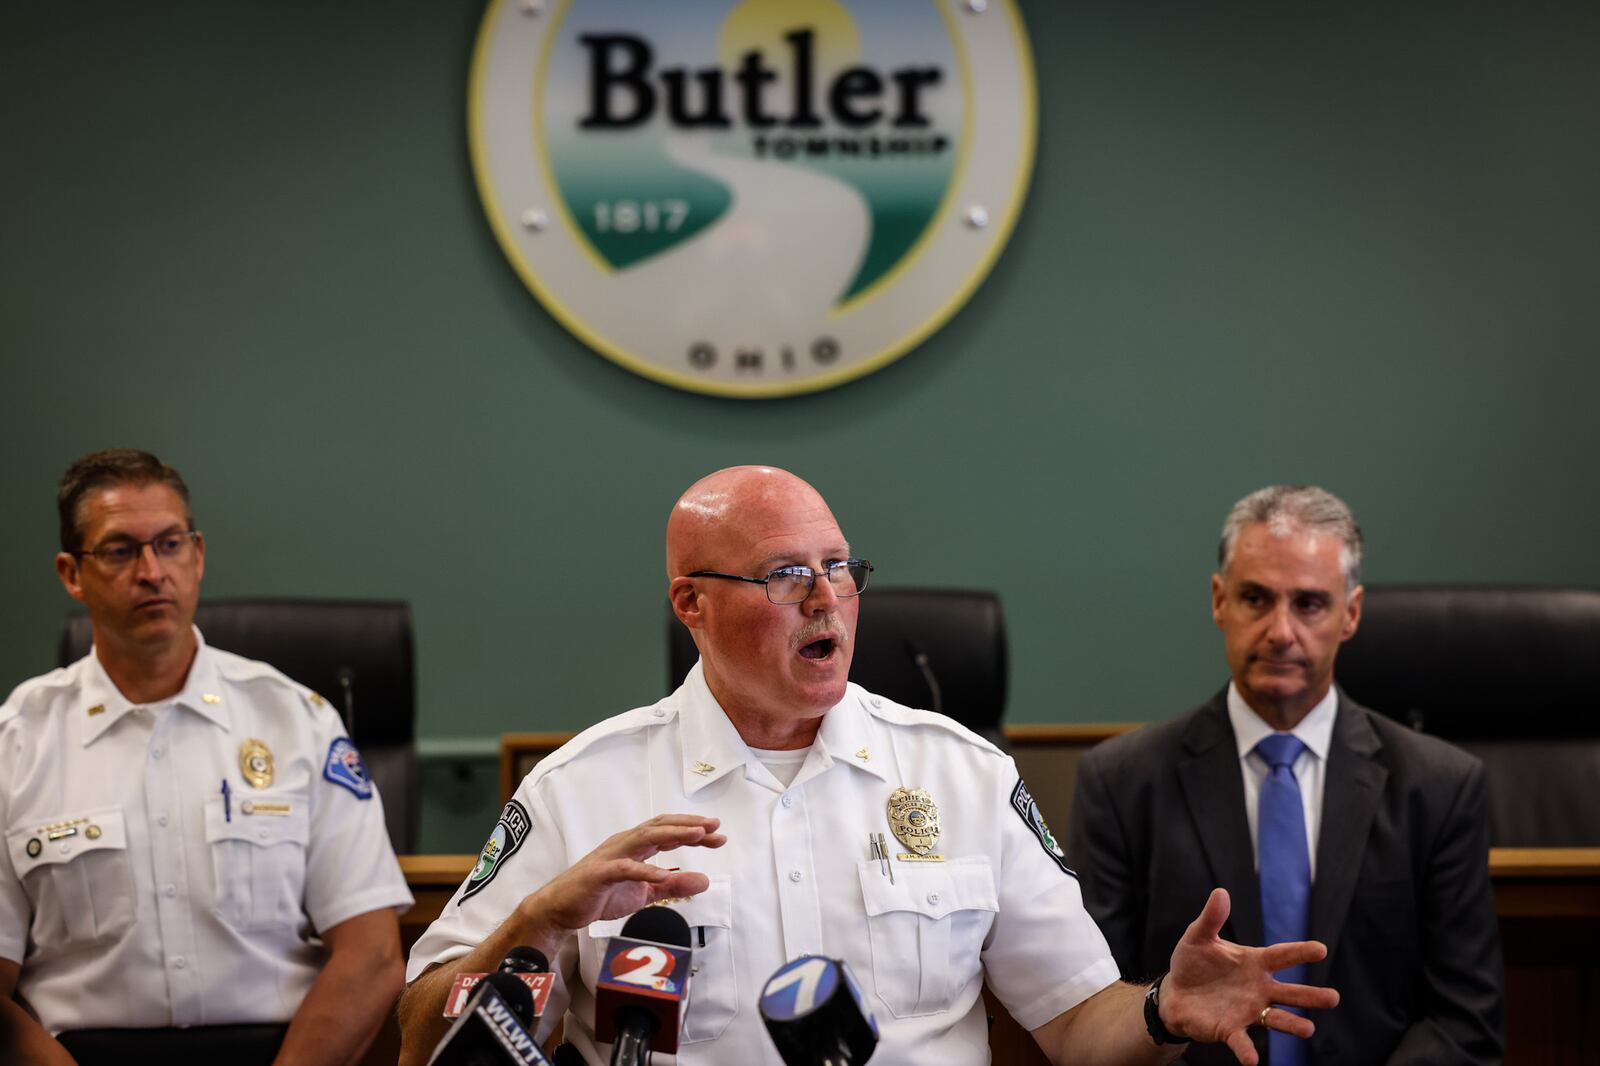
522	959
924	664
643	982
527	965
493	1028
812	1009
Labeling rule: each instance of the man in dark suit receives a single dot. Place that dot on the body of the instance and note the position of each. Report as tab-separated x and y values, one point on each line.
1323	819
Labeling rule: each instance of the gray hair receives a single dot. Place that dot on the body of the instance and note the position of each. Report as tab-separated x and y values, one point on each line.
1288	508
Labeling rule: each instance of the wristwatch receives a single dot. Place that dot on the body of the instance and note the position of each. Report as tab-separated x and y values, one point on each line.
1152	1016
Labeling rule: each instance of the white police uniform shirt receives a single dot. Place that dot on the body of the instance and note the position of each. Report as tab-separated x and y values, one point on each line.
132	894
796	876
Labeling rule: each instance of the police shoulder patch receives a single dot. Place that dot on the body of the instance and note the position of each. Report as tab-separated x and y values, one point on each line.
344	767
509	833
1027	809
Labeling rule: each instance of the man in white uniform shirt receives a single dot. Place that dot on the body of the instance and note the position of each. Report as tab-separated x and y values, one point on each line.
182	825
1323	819
778	772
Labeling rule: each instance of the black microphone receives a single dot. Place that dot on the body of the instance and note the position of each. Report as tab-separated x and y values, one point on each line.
528	965
812	1010
522	959
493	1028
643	981
567	1055
920	658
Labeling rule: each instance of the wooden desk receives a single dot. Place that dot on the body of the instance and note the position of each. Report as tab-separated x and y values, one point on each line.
1548	900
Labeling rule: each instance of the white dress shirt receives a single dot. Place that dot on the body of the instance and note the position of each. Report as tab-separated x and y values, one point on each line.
796	877
1310	769
132	893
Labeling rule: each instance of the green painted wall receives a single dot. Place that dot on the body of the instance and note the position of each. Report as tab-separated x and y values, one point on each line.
1276	242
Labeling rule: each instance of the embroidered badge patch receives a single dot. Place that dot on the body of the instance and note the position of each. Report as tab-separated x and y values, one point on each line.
343	766
1027	809
509	833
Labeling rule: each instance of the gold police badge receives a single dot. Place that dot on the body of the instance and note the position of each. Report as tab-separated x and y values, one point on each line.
255	762
914	820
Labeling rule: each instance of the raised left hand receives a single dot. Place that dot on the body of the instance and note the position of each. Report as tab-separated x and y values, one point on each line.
1217	989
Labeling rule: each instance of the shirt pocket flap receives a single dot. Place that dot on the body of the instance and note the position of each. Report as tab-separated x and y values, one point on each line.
933	889
263	819
713	907
65	838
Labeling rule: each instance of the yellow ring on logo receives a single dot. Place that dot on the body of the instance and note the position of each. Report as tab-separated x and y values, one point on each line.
1003	221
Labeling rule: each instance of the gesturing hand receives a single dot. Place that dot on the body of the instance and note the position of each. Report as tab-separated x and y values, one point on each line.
613	880
1217	989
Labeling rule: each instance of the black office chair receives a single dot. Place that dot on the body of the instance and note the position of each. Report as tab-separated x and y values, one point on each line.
236	1045
1510	674
356	653
938	649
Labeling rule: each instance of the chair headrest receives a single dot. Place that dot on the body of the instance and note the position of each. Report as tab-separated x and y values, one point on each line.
911	642
1478	662
353	652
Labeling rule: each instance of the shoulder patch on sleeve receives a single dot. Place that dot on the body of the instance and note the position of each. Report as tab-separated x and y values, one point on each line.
344	767
509	833
1027	809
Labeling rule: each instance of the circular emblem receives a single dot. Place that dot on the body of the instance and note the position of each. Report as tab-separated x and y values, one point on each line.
798	987
752	197
93	832
490	855
34	847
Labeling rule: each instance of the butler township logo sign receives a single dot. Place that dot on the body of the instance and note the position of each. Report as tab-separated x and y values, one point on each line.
752	197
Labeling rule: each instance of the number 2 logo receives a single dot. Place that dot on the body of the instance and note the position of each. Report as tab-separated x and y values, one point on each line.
642	965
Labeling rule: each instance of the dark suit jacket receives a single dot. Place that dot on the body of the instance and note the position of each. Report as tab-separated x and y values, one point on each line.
1402	896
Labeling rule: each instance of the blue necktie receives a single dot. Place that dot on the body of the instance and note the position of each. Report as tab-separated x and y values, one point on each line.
1285	863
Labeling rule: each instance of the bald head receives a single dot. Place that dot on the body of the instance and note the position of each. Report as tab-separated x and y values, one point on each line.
722	511
774	668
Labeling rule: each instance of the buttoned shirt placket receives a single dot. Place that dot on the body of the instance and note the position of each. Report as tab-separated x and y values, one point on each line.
164	799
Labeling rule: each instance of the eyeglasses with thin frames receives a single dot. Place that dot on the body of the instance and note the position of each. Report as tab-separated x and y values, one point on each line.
173	546
792	584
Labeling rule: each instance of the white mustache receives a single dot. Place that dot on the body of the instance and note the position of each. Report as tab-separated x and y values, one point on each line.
830	626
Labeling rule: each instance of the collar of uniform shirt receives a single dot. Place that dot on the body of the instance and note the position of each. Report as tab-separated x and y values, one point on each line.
201	691
709	737
99	690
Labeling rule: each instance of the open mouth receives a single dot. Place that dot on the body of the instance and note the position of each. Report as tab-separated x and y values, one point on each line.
818	649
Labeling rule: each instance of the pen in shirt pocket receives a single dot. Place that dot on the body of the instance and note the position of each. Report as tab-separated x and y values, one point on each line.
876	850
